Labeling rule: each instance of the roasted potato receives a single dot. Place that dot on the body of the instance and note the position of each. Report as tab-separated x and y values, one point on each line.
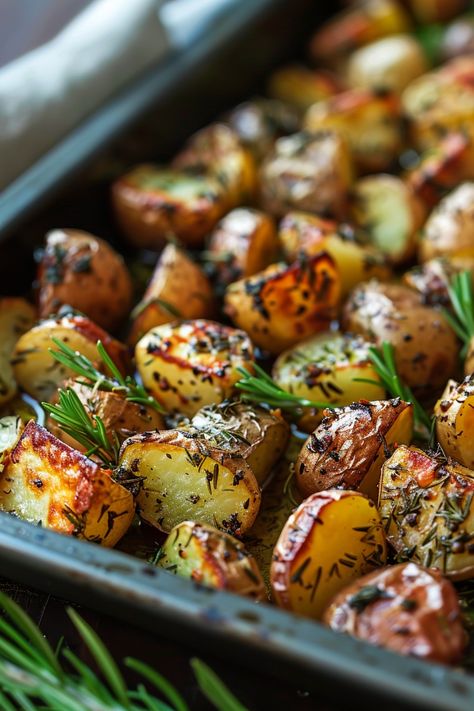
244	242
356	259
426	349
213	558
426	503
369	120
153	204
307	171
386	208
16	317
301	87
178	289
348	448
190	364
86	273
432	278
454	413
406	608
35	369
50	484
330	540
285	304
449	230
259	122
190	477
11	427
427	11
458	38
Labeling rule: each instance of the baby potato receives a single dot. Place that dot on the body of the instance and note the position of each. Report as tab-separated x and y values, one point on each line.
153	204
35	369
406	608
369	120
449	230
431	279
426	504
454	413
259	122
213	558
244	242
389	64
190	364
301	87
427	11
348	448
307	171
285	304
391	214
426	349
16	317
331	539
178	289
86	273
52	485
189	477
356	260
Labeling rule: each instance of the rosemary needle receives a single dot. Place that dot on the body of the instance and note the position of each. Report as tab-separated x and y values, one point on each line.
462	300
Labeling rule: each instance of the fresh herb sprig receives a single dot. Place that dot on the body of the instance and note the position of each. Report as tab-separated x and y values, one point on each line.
462	301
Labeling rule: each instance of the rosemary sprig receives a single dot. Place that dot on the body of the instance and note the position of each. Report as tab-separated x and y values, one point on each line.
462	300
82	366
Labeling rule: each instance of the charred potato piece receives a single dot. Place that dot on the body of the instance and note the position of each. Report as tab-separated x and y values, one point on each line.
35	369
178	289
427	507
191	364
454	413
16	317
285	304
432	278
188	477
426	348
301	87
307	171
449	231
213	558
258	123
331	539
370	121
427	11
348	448
152	204
391	214
406	608
84	272
356	259
50	484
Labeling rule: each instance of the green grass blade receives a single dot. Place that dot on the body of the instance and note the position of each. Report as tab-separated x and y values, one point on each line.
214	689
158	680
5	704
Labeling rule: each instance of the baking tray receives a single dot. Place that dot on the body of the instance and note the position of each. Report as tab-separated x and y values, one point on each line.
251	36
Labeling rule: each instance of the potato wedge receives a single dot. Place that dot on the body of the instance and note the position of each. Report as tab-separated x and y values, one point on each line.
188	477
191	364
259	122
213	558
427	507
86	273
406	608
301	87
449	230
454	413
347	450
431	279
50	484
285	304
16	317
330	540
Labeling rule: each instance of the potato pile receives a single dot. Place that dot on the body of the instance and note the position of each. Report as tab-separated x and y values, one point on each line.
265	403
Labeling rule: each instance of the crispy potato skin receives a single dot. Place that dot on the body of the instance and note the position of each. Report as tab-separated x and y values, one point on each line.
301	87
16	317
285	304
347	450
213	558
449	230
411	610
259	122
432	278
190	364
178	288
45	481
307	568
425	346
454	413
84	272
426	506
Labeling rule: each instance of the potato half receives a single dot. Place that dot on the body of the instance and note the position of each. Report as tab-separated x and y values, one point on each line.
50	484
427	507
259	122
16	317
431	279
301	87
188	477
190	364
449	230
454	413
213	558
331	539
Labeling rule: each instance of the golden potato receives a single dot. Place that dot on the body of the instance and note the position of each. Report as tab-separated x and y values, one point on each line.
431	279
301	87
331	539
449	230
188	477
259	122
454	413
285	304
178	289
86	273
426	503
190	364
50	484
16	317
213	558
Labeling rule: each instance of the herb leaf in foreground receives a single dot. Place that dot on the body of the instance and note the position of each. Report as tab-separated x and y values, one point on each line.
462	300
